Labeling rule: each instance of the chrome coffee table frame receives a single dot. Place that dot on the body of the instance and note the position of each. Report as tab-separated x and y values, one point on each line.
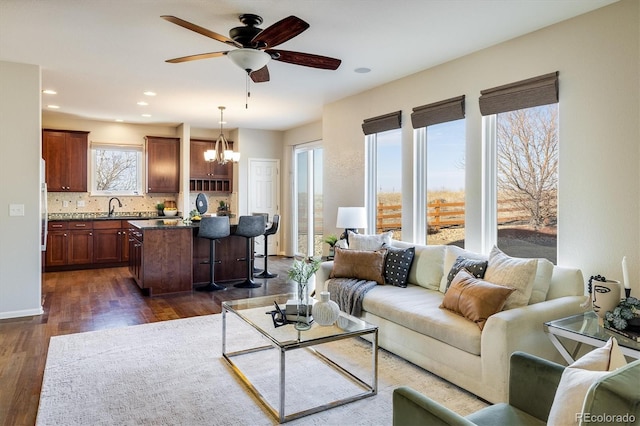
252	312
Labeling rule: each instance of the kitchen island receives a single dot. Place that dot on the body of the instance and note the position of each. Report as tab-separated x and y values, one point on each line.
166	256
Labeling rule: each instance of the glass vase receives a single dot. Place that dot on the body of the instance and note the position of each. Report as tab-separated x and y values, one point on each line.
303	319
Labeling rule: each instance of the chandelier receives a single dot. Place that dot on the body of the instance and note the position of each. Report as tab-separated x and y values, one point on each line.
221	152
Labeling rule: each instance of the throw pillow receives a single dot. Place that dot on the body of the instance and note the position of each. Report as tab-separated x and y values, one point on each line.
541	282
477	268
359	264
512	272
577	379
369	242
475	299
397	265
450	255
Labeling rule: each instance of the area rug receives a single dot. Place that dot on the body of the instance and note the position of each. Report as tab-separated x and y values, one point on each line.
172	373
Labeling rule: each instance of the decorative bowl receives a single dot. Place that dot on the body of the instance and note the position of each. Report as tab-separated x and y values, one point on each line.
170	212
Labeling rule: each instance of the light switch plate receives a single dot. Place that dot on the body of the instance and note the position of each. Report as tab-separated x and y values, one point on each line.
16	209
80	203
65	203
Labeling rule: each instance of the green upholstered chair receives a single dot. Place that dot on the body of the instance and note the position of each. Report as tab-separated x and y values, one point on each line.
532	386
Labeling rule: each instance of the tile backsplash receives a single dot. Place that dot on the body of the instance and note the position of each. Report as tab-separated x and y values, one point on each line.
83	202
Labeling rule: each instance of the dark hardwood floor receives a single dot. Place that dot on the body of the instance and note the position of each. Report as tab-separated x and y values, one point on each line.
78	301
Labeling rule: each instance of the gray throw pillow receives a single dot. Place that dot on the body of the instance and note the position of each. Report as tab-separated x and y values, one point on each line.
475	267
397	265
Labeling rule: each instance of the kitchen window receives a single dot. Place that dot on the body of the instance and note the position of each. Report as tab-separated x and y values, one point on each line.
116	169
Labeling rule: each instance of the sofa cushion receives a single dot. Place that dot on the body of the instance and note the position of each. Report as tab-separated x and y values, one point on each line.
416	308
475	299
397	265
450	255
512	272
426	269
477	268
578	377
369	242
359	264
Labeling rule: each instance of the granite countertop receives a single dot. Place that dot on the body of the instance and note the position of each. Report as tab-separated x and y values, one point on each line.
165	223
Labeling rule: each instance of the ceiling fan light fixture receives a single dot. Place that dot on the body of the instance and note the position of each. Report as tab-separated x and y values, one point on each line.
249	59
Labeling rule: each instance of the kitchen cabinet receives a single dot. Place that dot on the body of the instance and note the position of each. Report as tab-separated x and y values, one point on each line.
65	155
205	175
160	258
69	243
163	165
110	241
229	254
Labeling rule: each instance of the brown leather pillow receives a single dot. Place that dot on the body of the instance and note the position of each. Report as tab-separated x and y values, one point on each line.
360	264
475	299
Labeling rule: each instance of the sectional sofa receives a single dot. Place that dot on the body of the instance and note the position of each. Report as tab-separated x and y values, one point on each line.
471	354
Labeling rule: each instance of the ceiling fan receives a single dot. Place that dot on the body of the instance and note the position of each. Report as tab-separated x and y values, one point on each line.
255	46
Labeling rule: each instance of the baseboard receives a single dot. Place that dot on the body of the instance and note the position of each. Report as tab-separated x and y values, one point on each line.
22	313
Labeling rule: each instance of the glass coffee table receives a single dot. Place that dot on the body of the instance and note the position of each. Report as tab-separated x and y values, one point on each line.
586	328
294	371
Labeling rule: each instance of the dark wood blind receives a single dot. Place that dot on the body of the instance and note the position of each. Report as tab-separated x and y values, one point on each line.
438	112
536	91
382	123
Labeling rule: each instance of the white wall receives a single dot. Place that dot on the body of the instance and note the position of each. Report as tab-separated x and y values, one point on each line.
598	57
20	149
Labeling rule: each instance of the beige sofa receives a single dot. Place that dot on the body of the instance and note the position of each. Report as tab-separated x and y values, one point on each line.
413	326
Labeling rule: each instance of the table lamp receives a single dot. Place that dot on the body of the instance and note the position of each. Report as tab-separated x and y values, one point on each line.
351	218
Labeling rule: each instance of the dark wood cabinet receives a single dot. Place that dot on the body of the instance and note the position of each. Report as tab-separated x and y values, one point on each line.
69	243
163	165
167	268
228	252
110	242
205	175
65	155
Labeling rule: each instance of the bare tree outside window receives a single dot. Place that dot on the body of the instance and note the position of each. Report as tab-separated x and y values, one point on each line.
527	176
116	170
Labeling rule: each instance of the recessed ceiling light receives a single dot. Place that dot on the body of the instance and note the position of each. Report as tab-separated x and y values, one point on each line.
143	103
53	106
146	115
362	70
150	93
119	120
49	92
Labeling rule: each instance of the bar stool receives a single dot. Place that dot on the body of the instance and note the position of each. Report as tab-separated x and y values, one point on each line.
266	220
249	227
213	228
270	231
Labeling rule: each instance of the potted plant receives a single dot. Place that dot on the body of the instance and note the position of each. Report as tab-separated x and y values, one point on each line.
222	207
301	272
331	239
160	208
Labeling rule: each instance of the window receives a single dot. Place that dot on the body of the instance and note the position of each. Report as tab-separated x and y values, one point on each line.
527	181
439	172
384	180
445	183
116	169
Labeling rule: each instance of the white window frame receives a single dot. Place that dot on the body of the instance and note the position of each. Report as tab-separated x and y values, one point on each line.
370	179
138	148
310	148
489	232
420	186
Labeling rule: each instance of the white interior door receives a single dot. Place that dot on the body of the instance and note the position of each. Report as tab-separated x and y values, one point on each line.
264	185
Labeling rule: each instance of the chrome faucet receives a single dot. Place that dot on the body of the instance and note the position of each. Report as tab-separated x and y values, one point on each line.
113	209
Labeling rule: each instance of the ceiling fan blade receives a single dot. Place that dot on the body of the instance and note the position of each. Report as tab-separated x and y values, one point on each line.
281	31
200	30
196	57
261	75
305	59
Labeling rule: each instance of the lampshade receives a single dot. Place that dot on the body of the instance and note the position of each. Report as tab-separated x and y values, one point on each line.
221	152
351	218
249	59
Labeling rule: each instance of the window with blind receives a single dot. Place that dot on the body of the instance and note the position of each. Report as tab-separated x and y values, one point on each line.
383	183
439	172
521	137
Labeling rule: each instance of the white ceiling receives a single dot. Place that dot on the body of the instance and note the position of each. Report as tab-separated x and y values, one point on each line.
101	55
